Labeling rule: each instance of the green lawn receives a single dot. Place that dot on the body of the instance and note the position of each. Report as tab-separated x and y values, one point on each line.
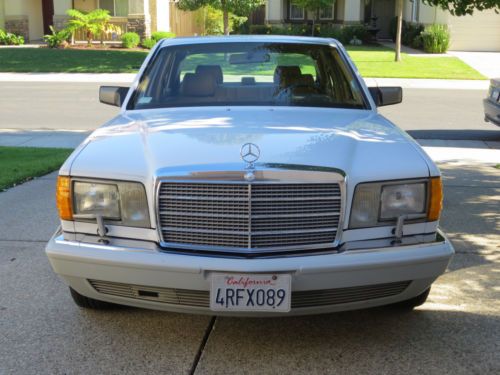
378	62
20	164
372	61
40	60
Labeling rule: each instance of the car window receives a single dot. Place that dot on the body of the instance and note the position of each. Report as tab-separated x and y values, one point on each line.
216	74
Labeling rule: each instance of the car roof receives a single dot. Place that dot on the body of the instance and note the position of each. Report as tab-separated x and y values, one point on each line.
248	38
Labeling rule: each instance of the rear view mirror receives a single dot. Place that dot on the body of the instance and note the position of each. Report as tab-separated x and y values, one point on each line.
249	58
113	95
386	95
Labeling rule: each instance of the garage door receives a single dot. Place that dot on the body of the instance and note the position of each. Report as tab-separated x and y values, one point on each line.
480	32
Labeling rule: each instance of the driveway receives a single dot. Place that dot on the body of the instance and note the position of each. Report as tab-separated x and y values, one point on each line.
486	63
456	332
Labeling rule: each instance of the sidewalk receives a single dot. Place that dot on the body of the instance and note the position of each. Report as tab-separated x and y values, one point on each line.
122	78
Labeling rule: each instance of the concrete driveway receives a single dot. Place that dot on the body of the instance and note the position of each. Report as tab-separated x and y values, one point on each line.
456	332
486	63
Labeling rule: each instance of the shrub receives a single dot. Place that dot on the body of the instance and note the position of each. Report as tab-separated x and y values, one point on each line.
130	40
159	35
260	29
411	31
436	38
57	38
350	32
148	43
330	31
10	39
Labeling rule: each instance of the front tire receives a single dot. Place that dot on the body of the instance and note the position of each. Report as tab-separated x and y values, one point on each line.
411	303
90	303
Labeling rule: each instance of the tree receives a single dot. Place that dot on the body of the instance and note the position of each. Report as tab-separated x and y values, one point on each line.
92	23
237	7
399	12
463	7
314	6
455	7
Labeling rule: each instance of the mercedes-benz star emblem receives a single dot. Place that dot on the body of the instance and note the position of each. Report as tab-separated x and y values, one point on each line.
250	153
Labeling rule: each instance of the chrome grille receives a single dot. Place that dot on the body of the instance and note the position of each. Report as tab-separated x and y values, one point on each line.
300	299
245	217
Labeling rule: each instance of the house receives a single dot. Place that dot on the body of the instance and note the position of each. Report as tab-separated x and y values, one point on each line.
32	18
479	32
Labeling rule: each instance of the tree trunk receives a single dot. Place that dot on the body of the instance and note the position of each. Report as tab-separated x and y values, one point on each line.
225	17
226	22
399	9
89	38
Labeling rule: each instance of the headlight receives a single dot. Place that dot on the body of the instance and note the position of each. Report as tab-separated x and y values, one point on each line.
124	203
90	199
397	200
381	203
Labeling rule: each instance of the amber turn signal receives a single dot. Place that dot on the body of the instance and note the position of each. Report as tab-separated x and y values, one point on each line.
63	198
436	199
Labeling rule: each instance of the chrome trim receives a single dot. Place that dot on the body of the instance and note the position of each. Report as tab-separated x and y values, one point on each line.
265	173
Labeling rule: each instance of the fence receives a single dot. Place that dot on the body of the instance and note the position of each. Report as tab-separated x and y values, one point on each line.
185	23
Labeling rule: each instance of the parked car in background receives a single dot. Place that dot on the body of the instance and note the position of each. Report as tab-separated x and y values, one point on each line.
249	176
492	103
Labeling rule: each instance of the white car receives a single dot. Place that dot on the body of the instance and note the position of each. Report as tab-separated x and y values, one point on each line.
249	176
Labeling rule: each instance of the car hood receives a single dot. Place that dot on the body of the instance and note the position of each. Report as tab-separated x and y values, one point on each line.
137	145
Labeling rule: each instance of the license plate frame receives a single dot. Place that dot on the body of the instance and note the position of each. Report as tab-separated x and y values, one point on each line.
268	292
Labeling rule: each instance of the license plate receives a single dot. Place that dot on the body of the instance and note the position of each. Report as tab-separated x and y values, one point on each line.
250	292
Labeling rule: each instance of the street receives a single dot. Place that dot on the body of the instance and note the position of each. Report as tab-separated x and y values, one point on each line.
425	113
456	332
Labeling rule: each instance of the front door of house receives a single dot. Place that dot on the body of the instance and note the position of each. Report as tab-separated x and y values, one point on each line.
48	15
385	11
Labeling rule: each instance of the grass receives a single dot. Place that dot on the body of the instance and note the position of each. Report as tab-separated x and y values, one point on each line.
44	60
20	164
378	62
372	61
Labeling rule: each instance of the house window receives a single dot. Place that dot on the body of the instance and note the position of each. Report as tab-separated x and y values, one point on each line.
296	12
326	13
415	8
116	8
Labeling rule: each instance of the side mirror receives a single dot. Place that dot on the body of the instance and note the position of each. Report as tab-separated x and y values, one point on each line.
386	95
113	95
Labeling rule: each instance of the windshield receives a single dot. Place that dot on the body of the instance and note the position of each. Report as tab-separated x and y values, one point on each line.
245	74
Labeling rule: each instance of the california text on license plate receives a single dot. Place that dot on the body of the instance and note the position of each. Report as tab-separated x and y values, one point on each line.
250	292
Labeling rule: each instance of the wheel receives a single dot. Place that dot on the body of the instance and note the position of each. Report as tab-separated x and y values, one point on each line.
90	303
411	303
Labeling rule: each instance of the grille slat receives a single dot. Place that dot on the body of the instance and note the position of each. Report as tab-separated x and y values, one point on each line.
300	299
249	216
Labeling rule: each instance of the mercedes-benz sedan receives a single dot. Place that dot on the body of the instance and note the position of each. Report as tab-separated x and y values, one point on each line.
249	176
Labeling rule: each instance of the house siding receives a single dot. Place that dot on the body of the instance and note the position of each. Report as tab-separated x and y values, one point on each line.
479	32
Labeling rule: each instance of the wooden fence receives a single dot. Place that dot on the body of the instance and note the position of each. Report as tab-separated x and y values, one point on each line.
185	23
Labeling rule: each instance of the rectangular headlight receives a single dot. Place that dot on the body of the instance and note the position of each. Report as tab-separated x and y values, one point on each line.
90	199
377	203
124	203
397	200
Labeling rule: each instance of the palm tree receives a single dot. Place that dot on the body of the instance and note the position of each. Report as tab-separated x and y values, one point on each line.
92	23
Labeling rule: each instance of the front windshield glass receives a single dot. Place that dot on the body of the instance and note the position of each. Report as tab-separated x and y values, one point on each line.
248	74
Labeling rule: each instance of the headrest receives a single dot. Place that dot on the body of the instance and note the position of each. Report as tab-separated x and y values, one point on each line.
198	85
248	81
214	70
283	71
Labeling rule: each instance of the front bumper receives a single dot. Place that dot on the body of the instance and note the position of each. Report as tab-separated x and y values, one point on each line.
78	262
491	111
